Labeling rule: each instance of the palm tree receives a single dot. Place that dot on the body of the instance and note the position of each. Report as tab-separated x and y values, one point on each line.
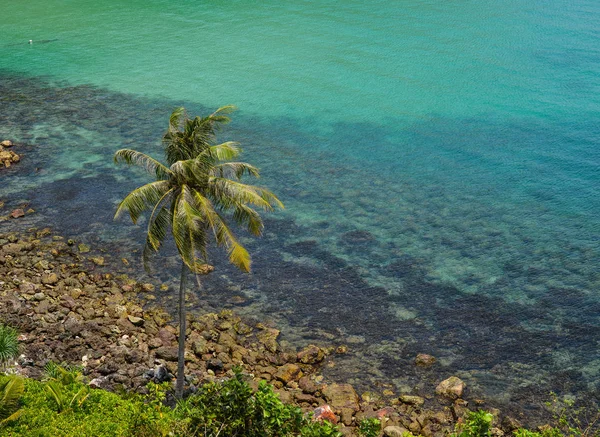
189	197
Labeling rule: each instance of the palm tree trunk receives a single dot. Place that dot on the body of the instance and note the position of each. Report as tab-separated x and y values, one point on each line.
181	350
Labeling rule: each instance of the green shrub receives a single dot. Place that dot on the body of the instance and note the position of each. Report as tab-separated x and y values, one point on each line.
550	432
476	424
369	427
231	408
64	406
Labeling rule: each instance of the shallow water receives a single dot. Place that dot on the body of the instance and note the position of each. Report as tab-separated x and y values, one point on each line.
439	164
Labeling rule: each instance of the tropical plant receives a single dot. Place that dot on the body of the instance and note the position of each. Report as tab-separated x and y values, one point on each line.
369	427
189	197
476	424
231	408
65	388
11	391
9	345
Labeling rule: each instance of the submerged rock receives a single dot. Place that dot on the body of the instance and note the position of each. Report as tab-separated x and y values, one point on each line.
452	388
425	360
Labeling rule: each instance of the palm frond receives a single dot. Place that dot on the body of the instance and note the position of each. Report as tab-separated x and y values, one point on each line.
230	170
227	193
142	199
224	151
244	215
151	165
238	255
10	395
188	229
158	225
175	118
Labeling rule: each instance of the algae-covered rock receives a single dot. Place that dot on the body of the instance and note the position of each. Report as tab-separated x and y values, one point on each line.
311	355
452	388
341	396
288	372
268	337
425	360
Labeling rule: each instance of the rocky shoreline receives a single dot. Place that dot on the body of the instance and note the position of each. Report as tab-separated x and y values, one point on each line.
68	313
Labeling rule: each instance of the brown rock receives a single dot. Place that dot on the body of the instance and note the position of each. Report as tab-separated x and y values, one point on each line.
288	372
17	213
6	143
394	431
341	396
50	279
268	337
417	401
166	353
452	388
311	355
424	360
136	321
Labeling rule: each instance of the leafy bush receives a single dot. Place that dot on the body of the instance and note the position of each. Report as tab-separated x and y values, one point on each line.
476	424
64	405
231	408
550	432
369	427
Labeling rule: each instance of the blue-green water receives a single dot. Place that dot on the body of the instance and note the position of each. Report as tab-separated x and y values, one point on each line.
439	162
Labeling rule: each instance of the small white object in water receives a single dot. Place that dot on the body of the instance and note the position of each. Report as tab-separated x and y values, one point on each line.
30	41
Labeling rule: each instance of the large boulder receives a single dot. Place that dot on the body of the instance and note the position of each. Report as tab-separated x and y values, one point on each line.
341	396
311	355
451	388
288	372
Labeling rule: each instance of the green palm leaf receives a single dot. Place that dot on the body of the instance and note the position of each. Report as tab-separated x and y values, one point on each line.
230	170
226	192
142	199
151	165
11	391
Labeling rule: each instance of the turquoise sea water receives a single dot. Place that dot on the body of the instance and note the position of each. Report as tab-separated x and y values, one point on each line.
439	162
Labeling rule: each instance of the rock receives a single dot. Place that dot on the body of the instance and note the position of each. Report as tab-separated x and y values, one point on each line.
50	279
166	353
39	296
311	355
341	396
97	382
307	386
17	213
452	388
6	143
424	360
136	321
161	374
98	260
324	412
510	423
288	372
417	401
394	431
268	337
215	364
83	248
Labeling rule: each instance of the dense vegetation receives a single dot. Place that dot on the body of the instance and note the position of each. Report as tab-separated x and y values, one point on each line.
63	405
